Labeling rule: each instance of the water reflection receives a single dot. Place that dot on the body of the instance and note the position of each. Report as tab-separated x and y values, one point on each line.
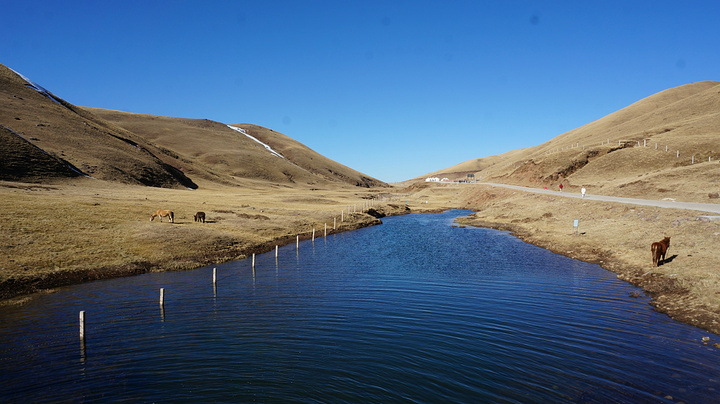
413	310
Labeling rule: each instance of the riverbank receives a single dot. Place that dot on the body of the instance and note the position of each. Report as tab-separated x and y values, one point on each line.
613	235
63	234
69	233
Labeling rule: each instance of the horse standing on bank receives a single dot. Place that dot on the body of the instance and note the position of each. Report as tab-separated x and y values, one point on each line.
199	217
163	213
659	249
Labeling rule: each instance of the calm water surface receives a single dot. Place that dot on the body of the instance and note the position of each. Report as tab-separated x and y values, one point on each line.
414	310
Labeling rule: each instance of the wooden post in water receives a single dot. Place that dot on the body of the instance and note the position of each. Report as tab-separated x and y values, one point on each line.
214	276
313	236
276	251
162	296
325	235
297	243
82	325
253	261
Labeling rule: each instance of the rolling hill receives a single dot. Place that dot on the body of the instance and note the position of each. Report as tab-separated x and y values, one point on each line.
73	137
665	145
227	153
49	138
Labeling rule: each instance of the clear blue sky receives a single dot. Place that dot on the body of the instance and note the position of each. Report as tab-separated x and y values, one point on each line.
394	89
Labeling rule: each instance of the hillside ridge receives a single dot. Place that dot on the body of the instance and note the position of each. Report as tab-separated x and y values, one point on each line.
666	145
148	149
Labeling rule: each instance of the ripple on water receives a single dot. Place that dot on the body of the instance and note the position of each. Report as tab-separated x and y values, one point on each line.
414	310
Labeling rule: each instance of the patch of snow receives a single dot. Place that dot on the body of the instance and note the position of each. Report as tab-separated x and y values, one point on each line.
241	130
38	88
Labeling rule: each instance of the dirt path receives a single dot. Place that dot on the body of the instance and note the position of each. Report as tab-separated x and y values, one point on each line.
697	206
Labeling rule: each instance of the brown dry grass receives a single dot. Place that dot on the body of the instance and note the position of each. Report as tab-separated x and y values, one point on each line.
75	231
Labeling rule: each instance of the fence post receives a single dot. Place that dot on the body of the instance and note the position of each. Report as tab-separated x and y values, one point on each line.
678	154
82	325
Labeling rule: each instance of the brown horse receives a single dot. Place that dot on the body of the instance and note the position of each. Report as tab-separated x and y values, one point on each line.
199	217
659	249
163	213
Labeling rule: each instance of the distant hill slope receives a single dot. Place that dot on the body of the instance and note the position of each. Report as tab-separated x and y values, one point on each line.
624	152
71	135
217	152
307	159
47	136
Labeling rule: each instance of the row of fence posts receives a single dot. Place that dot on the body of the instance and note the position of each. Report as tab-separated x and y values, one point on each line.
677	152
214	275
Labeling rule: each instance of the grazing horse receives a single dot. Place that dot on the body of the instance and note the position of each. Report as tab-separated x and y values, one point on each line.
659	249
163	213
199	217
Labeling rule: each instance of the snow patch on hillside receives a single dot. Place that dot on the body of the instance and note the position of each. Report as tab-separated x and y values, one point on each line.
38	88
241	130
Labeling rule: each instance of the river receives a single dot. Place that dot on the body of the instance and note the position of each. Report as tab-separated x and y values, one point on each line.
414	310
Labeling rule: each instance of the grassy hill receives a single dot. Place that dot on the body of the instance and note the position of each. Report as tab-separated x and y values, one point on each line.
624	153
147	149
74	137
215	152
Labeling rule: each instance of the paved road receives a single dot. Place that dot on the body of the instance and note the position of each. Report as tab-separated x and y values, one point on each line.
697	206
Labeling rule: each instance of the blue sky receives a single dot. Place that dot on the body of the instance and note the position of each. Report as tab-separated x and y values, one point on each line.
394	89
